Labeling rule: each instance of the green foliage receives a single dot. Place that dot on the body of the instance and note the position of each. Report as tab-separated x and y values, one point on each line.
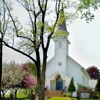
71	87
33	68
66	94
80	86
62	17
22	93
95	96
60	33
86	7
12	75
49	28
97	87
39	25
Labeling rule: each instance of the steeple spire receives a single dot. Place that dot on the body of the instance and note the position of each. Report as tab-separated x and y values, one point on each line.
61	30
63	27
62	18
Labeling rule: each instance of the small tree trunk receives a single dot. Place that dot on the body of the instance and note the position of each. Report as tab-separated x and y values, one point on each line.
15	91
3	93
71	95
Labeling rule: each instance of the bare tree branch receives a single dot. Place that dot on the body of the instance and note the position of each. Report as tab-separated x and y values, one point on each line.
19	51
16	26
40	5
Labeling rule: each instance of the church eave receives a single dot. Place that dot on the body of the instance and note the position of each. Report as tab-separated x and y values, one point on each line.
85	73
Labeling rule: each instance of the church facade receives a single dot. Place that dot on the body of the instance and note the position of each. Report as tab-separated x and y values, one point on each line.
61	68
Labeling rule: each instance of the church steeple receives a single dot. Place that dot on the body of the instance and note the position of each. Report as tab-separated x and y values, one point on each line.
62	19
61	30
63	27
61	41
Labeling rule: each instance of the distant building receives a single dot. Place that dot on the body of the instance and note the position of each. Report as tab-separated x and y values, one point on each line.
92	83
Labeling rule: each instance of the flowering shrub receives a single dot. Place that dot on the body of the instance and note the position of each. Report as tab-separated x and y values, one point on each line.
29	81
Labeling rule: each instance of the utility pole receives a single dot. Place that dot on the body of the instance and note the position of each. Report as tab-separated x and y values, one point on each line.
0	65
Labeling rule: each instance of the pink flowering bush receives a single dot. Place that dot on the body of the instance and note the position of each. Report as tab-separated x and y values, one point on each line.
29	81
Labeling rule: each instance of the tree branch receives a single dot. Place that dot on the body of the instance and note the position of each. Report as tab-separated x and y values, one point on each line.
11	18
49	37
40	5
19	51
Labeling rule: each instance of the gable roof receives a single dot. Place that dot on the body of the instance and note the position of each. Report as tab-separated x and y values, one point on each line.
85	73
54	76
81	68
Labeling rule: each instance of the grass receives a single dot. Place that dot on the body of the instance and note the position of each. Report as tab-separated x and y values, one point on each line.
67	98
87	99
61	98
55	98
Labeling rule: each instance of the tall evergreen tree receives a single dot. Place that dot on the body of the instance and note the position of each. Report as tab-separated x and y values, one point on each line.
71	87
97	87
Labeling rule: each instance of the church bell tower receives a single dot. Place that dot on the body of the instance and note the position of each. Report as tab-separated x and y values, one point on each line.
61	49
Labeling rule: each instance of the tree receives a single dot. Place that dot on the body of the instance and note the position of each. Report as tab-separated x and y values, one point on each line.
37	34
29	81
32	68
4	20
93	72
11	77
71	87
87	7
33	71
17	76
97	87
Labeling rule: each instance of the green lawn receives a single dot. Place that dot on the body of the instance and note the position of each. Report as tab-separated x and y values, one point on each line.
61	98
67	98
87	99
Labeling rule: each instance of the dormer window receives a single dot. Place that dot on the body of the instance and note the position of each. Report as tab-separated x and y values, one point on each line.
60	45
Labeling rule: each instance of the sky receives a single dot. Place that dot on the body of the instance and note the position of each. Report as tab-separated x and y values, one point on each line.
84	38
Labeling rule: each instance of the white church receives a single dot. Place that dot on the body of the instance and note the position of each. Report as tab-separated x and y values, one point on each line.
61	68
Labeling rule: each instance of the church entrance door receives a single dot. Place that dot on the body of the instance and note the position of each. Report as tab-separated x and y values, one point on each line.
59	83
